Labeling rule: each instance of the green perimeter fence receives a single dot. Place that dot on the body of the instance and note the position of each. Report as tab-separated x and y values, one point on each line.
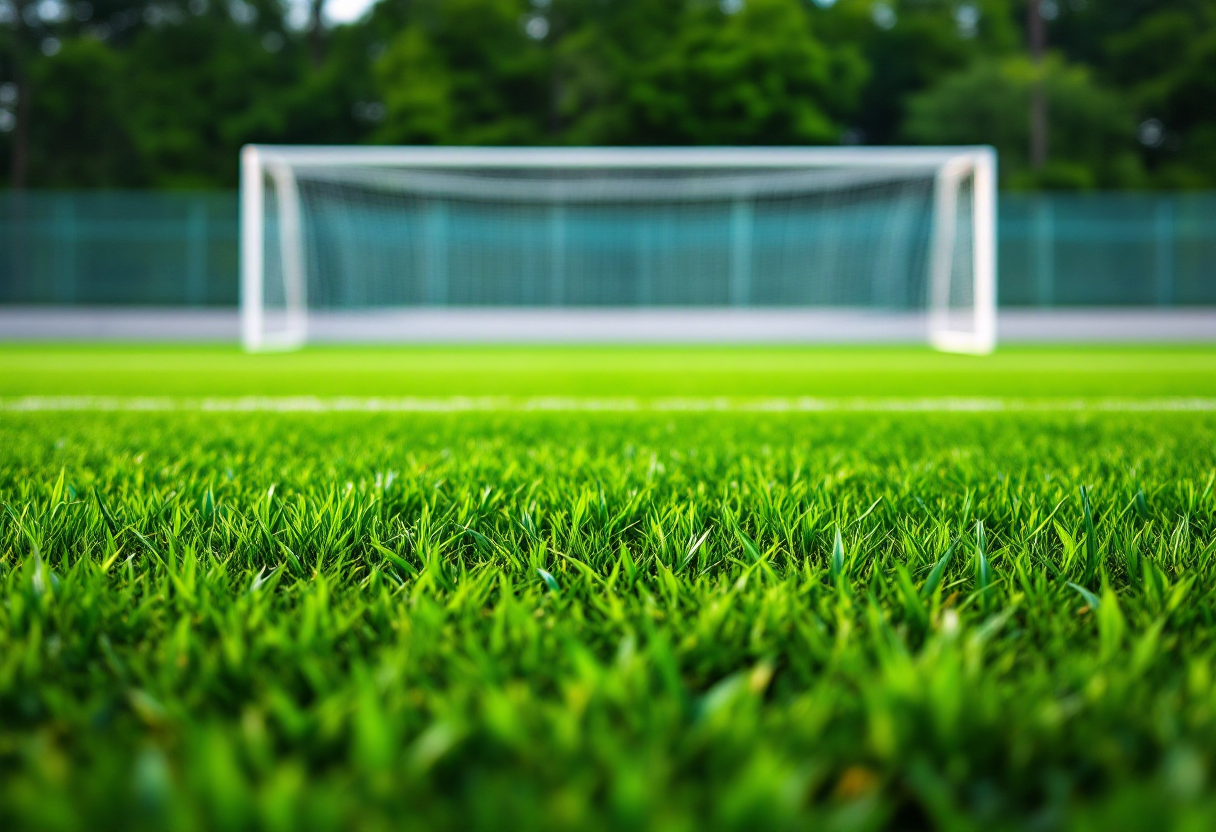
180	249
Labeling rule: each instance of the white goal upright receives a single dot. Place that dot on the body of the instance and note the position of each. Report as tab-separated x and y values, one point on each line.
612	244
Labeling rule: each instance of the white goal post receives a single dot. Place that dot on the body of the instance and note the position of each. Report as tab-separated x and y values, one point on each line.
552	244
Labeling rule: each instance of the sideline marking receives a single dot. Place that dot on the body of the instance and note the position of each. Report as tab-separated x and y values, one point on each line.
463	404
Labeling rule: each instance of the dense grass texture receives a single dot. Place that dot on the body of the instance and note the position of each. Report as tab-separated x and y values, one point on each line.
608	621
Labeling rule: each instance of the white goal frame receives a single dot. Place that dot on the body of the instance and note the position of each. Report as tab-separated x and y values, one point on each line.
953	165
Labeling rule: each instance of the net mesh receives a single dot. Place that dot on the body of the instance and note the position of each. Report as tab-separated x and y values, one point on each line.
375	237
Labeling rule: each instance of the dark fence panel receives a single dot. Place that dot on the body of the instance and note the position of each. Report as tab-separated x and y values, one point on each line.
124	248
1108	249
180	249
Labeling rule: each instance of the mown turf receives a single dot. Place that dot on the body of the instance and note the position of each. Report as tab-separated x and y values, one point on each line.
1129	371
601	621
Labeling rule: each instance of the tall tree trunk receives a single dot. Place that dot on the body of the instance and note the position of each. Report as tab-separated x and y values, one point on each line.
557	91
1038	95
316	35
18	171
19	159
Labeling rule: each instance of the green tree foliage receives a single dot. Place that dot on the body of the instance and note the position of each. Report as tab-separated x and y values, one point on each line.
465	72
497	72
909	45
752	74
83	136
164	96
135	93
205	85
1168	64
1092	140
1161	54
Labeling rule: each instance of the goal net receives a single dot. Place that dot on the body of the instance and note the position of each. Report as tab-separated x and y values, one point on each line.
670	244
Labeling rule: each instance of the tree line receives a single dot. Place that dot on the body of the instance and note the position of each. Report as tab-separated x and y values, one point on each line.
1075	94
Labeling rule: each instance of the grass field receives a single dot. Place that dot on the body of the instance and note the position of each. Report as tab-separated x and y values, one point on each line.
618	371
561	619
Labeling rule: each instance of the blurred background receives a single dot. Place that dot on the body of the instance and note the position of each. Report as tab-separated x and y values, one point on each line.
121	120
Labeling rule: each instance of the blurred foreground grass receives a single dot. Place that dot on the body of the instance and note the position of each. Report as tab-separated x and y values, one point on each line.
607	621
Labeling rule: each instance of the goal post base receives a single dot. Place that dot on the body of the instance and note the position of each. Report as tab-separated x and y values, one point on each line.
966	343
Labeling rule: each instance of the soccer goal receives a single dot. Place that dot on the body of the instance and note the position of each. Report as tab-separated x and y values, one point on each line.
618	244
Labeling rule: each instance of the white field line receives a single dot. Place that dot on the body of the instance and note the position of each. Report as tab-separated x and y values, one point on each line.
462	404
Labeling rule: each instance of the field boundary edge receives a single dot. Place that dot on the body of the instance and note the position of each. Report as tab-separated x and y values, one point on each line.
624	404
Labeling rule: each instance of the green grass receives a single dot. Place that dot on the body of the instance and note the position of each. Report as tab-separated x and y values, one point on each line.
607	621
598	371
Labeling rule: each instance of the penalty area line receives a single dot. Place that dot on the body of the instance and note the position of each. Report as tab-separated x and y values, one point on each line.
691	404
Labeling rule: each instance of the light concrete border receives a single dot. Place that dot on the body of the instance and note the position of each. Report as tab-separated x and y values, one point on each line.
591	326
